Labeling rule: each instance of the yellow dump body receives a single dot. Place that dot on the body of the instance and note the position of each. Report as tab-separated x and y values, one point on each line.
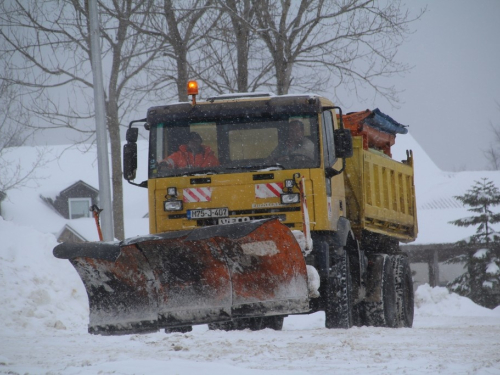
380	193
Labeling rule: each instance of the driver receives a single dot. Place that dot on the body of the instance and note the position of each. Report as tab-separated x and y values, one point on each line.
296	145
192	154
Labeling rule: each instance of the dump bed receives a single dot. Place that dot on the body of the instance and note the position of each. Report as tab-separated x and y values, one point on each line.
380	193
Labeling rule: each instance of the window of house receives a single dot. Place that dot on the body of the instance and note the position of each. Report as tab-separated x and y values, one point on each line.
79	207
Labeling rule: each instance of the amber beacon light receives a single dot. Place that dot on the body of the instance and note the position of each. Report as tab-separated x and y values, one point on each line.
192	89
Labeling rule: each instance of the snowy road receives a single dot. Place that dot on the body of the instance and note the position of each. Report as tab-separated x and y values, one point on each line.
44	316
446	345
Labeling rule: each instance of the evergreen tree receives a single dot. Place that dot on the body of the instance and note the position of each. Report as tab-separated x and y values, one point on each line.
481	282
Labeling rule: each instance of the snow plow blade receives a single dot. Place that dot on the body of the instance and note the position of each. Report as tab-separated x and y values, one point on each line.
204	275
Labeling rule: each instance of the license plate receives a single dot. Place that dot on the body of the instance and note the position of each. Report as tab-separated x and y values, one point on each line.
208	213
232	220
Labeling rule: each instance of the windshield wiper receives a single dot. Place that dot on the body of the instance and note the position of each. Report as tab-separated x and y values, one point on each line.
259	167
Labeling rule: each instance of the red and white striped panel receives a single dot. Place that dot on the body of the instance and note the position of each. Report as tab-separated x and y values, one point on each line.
201	194
272	190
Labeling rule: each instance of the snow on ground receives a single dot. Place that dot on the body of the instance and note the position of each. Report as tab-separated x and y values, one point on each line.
44	314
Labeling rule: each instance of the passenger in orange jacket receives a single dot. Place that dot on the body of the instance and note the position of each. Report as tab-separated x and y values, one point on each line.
192	154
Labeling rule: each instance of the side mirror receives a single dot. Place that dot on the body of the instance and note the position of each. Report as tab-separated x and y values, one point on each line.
132	135
130	154
343	143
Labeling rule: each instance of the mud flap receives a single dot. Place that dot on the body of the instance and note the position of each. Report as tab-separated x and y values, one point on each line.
205	275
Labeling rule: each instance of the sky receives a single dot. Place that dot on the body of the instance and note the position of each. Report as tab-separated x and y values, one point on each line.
452	94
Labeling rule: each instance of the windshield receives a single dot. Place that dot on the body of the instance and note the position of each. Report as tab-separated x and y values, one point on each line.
233	145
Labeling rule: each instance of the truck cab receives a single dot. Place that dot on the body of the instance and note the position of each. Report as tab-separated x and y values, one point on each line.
262	147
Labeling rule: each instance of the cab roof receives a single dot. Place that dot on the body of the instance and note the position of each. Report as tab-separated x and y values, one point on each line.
238	105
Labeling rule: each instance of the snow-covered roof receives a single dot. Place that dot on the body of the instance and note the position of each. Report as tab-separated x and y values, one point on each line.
79	182
435	190
64	167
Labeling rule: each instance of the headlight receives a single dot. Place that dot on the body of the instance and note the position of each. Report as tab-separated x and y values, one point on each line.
172	205
290	198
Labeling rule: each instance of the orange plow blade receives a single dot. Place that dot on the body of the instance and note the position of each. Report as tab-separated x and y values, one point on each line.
204	275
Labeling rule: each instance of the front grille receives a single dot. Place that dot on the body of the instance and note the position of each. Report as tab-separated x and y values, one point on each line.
208	222
259	211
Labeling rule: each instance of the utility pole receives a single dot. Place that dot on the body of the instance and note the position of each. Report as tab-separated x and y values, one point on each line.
101	126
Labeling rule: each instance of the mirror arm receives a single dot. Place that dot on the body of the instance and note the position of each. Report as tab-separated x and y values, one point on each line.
143	184
331	172
133	122
341	121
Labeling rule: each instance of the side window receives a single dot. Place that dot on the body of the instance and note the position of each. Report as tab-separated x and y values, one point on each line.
328	145
79	207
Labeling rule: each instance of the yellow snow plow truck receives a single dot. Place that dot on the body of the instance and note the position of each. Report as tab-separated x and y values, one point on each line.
260	206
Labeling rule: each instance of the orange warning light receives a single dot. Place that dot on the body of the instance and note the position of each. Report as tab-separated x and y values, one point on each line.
192	88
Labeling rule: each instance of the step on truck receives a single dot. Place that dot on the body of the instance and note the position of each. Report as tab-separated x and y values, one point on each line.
260	206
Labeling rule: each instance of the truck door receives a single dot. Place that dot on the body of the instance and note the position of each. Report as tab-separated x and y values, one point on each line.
334	186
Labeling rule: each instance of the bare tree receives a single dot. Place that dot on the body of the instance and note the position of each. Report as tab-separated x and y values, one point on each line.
232	58
175	26
352	41
51	41
14	132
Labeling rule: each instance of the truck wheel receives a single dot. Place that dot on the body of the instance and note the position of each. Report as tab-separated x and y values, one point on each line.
253	324
222	326
382	313
274	322
179	329
404	291
338	305
256	324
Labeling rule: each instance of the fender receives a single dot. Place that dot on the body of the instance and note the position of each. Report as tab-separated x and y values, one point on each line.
340	236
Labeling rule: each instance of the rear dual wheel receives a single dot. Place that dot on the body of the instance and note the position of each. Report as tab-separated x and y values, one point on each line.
395	307
379	309
404	291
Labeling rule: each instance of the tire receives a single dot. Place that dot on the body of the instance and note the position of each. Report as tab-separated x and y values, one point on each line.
223	326
253	324
338	304
274	322
383	312
404	291
183	329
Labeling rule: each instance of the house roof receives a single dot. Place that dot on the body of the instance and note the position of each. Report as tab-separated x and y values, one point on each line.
66	167
74	232
435	191
82	183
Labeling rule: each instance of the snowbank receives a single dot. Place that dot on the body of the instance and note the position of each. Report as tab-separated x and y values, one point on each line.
439	301
39	292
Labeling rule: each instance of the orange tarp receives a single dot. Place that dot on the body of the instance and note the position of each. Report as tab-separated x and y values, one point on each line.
372	138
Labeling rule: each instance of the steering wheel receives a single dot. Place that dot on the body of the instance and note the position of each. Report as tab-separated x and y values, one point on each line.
163	166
